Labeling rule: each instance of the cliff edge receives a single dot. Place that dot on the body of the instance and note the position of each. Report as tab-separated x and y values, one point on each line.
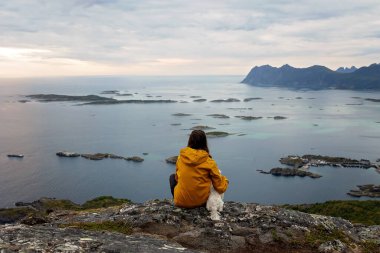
158	226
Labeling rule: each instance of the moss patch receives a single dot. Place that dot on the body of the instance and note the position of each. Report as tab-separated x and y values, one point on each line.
112	226
320	235
11	215
370	247
104	201
365	212
49	205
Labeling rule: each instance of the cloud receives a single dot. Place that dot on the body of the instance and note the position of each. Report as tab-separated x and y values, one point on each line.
150	37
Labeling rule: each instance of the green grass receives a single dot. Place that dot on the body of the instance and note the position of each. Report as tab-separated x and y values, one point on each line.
112	226
364	212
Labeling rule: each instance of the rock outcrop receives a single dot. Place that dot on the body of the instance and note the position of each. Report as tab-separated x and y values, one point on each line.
22	238
159	226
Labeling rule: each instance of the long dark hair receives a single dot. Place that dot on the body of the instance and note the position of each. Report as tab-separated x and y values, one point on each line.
198	140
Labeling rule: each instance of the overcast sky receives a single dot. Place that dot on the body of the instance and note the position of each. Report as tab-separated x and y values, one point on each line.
197	37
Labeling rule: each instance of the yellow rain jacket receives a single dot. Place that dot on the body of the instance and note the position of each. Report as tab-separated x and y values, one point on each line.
195	171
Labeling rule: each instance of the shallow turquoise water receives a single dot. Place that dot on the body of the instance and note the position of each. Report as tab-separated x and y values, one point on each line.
319	123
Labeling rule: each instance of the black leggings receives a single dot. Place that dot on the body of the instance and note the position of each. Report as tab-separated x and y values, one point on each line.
172	183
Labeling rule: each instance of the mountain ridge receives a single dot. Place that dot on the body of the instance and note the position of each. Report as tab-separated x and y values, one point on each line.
315	77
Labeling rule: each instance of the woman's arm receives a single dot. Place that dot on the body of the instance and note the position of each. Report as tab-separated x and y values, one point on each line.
219	181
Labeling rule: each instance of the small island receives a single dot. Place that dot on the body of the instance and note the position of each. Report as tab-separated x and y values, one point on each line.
172	159
201	128
301	164
200	100
217	134
67	98
367	190
229	100
180	114
279	117
99	156
219	116
92	99
288	172
248	117
250	99
319	160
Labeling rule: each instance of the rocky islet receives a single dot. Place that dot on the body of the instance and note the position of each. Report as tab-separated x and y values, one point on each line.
99	156
368	190
288	172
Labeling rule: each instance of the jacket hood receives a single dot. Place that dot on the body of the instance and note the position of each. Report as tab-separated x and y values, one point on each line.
193	156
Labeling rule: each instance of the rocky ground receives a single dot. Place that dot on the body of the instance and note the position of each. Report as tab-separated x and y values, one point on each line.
158	226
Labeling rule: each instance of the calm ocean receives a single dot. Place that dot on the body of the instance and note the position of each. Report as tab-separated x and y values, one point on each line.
329	122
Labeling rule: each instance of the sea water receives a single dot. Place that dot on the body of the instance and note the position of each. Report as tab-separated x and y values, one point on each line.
327	122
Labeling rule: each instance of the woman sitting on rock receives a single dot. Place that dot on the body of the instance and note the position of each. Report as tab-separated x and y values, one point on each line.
195	172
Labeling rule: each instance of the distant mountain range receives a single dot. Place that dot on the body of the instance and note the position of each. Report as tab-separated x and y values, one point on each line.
346	70
315	77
